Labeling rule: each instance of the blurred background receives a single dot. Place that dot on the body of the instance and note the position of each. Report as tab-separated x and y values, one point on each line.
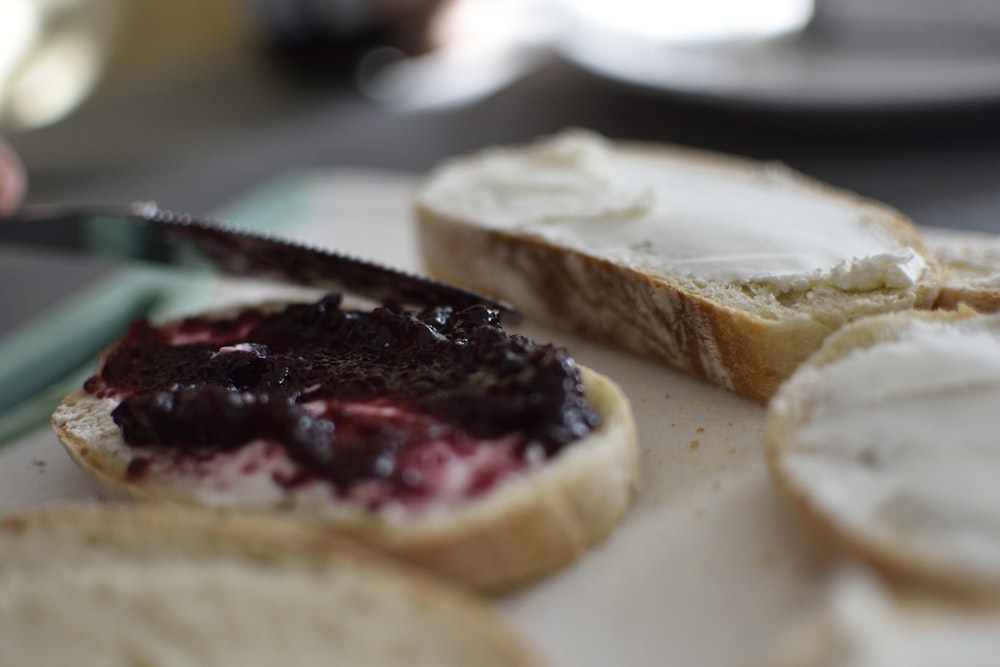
193	102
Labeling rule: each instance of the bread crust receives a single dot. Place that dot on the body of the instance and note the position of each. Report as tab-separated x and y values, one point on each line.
526	527
96	537
827	537
688	328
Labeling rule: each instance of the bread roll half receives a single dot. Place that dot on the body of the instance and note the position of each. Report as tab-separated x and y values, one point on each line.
885	443
538	519
732	270
119	586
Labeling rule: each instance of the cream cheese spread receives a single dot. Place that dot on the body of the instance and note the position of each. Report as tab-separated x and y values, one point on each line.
689	219
899	442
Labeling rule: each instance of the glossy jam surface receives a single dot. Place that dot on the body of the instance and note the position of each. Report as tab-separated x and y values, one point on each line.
386	396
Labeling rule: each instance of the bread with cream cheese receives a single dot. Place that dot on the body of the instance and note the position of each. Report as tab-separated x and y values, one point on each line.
729	269
110	586
539	519
885	445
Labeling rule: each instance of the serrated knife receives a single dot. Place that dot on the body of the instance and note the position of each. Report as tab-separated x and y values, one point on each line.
145	232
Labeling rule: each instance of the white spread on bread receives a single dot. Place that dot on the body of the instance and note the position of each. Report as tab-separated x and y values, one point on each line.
898	441
687	219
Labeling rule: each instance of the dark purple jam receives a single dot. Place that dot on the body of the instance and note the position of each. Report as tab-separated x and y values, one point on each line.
349	395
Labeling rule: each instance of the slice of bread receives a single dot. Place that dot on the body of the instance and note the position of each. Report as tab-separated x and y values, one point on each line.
534	521
970	264
729	269
885	444
859	622
119	586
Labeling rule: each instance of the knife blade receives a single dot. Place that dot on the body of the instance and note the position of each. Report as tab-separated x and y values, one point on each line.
144	232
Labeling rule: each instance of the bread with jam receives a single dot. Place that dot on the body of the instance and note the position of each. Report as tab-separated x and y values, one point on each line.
113	586
435	436
729	269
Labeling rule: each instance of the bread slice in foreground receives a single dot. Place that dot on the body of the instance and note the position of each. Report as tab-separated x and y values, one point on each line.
885	443
728	269
534	521
859	622
110	586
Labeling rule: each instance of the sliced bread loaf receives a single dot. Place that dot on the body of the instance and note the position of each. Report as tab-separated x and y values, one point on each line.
726	268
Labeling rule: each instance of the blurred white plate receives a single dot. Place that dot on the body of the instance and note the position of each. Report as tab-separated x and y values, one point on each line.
854	56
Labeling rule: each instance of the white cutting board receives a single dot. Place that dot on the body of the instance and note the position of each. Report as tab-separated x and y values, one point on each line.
704	570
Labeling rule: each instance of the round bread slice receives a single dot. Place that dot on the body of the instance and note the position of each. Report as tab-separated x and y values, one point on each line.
535	520
885	442
119	586
729	269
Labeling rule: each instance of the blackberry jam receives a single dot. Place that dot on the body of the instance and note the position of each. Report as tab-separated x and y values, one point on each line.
386	396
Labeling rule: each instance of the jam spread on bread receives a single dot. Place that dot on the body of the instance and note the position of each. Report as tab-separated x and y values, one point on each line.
386	396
